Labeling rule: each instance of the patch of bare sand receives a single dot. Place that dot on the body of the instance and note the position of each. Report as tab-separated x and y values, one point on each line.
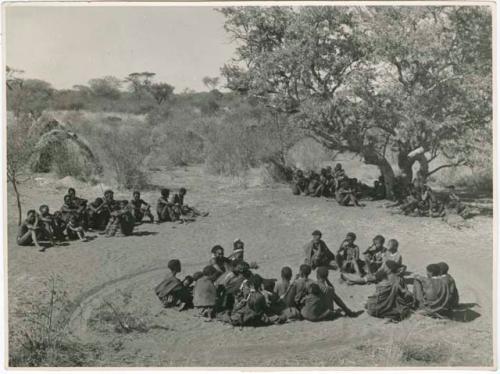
274	225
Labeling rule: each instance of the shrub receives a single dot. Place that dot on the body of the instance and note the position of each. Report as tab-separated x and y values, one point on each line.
42	338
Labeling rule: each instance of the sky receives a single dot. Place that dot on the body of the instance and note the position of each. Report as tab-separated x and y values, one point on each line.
70	45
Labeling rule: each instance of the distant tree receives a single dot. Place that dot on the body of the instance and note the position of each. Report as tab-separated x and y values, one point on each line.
161	91
12	78
29	97
106	87
211	83
139	83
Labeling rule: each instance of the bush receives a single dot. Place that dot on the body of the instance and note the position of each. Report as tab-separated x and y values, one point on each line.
42	338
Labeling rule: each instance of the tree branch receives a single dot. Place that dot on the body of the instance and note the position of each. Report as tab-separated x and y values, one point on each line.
458	163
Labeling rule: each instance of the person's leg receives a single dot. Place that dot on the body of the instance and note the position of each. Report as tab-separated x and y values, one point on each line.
25	239
34	237
418	292
340	303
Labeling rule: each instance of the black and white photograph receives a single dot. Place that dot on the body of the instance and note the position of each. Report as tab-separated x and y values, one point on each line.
249	185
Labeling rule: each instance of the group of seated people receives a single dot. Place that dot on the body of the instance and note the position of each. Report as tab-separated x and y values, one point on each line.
105	215
228	288
421	201
334	183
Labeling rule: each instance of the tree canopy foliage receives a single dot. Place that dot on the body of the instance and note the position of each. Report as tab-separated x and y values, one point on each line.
411	81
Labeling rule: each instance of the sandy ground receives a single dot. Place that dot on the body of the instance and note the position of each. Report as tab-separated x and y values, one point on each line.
274	225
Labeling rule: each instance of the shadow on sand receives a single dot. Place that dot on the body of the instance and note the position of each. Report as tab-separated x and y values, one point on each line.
144	233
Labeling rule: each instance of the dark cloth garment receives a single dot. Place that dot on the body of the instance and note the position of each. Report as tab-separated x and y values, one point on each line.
391	299
171	292
299	291
127	222
435	294
97	216
316	308
204	293
318	254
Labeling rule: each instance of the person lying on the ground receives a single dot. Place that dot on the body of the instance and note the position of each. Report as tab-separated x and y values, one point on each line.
75	230
392	299
299	287
97	214
141	208
205	293
239	253
329	293
393	254
30	230
436	295
218	261
374	255
299	183
317	252
171	291
345	195
185	210
250	306
164	208
348	255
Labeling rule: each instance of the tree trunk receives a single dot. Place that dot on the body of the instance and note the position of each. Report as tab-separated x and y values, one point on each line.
13	181
373	157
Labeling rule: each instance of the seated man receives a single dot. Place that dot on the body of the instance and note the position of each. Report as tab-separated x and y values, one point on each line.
374	255
329	293
348	255
81	204
317	252
122	221
250	306
205	293
75	230
299	287
171	291
47	223
436	295
141	208
165	209
110	205
69	209
313	183
315	306
345	195
97	214
430	205
411	201
229	283
239	253
182	209
30	230
299	183
392	299
220	263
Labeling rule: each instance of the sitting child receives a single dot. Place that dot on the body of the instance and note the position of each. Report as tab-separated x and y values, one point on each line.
205	293
74	229
348	255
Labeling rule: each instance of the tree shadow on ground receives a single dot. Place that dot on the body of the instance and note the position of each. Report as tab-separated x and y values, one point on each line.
464	313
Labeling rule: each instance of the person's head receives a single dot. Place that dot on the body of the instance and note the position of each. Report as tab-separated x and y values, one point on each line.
316	236
376	184
378	241
433	270
98	201
238	244
174	265
322	273
31	215
71	192
67	199
338	166
136	195
443	268
197	275
314	289
187	281
304	270
286	273
210	272
350	237
165	192
393	245
300	173
123	203
108	194
44	209
182	191
217	251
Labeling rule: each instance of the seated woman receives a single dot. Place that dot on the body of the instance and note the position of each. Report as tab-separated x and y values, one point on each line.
391	299
171	291
436	293
250	306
